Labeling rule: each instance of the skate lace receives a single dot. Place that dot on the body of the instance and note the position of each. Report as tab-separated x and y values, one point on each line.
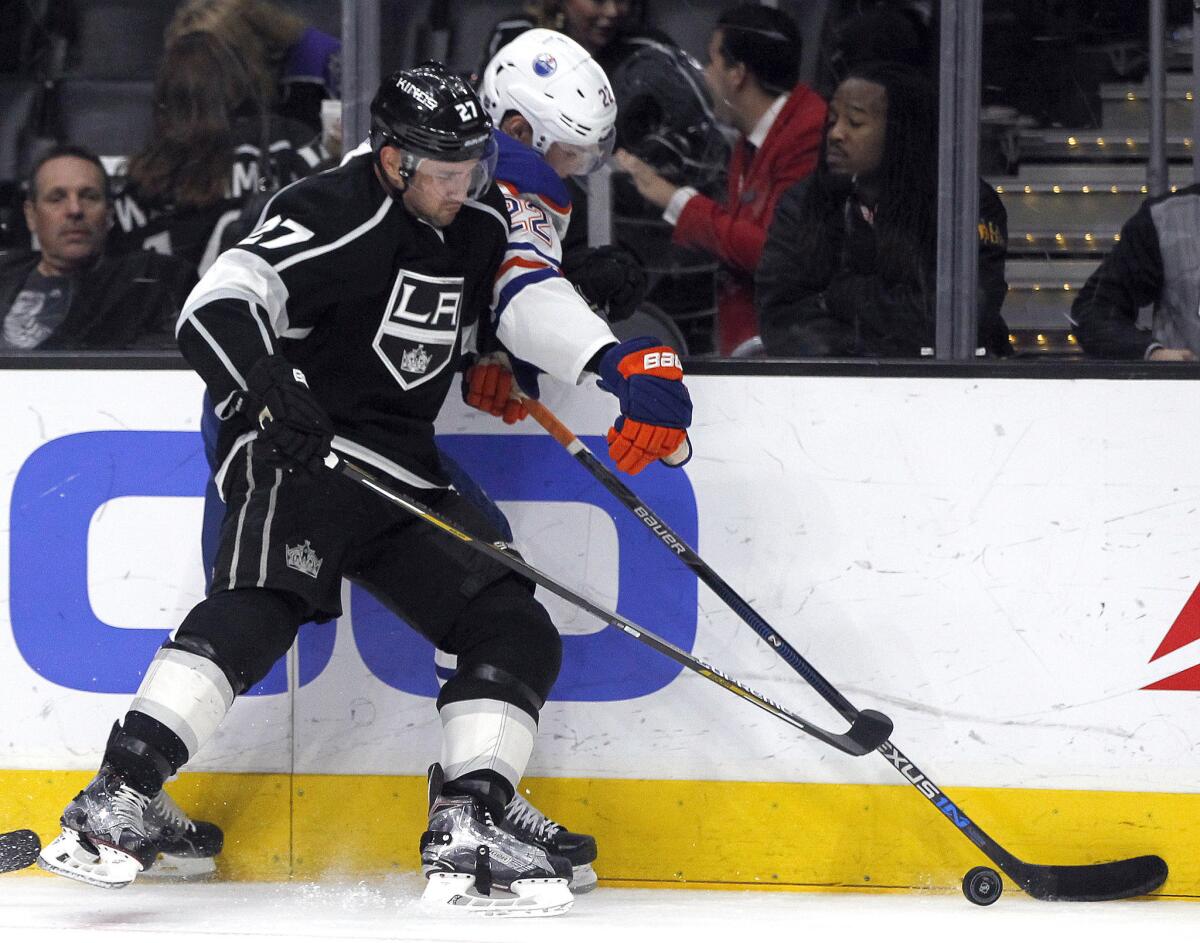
129	807
166	808
525	816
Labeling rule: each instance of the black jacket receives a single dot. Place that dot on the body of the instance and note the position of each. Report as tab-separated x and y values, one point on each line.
858	313
1154	263
122	302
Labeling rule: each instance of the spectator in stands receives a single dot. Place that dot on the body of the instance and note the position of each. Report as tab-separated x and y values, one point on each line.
864	31
205	159
293	66
1154	263
610	30
849	266
752	71
70	294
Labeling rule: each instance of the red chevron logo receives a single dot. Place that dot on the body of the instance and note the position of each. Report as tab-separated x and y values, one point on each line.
1185	629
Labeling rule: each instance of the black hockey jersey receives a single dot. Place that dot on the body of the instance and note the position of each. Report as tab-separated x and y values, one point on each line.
370	302
194	233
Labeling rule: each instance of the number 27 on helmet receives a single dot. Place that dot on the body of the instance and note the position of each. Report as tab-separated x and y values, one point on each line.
436	120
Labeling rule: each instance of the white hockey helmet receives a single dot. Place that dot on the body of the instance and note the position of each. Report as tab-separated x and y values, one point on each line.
555	85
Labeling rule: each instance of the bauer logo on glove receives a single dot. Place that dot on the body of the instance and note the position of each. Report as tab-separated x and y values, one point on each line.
662	358
647	378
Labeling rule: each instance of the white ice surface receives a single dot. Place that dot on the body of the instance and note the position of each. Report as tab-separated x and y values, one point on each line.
35	909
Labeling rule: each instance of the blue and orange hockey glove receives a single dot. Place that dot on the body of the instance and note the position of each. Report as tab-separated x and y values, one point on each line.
647	378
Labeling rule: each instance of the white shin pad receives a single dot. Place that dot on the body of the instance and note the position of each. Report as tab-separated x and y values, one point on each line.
486	734
187	693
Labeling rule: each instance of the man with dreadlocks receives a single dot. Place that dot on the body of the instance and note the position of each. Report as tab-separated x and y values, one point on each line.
849	267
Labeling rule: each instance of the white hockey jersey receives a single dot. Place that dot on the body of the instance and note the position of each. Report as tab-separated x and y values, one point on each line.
538	315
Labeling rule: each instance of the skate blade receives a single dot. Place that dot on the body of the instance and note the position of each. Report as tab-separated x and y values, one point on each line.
583	879
180	868
530	897
67	856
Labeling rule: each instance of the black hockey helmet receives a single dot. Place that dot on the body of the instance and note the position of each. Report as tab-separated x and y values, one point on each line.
430	112
665	115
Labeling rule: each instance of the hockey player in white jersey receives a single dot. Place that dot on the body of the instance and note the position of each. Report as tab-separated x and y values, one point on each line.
556	116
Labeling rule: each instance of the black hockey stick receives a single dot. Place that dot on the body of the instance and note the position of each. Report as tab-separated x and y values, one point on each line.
1112	880
690	558
1109	880
18	849
868	731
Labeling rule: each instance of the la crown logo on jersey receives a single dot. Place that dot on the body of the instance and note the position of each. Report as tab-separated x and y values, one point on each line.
303	559
415	361
418	335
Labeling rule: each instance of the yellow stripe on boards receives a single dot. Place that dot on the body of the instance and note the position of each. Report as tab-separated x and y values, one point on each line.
254	809
793	836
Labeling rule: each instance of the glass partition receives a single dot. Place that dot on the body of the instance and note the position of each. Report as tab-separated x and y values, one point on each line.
926	181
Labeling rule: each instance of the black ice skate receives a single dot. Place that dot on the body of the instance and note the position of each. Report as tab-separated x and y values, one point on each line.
186	848
474	867
103	840
527	823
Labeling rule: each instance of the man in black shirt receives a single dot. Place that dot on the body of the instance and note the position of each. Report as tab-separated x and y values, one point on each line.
339	323
70	294
1154	263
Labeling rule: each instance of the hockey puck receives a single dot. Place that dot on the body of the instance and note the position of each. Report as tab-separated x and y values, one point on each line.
982	886
18	849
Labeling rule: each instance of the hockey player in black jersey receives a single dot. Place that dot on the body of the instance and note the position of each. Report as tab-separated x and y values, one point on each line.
339	323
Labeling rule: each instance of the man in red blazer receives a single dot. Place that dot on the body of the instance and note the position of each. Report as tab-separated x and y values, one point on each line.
752	72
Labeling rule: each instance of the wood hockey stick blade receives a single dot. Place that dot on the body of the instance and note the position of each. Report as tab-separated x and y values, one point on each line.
18	849
869	730
1109	880
690	558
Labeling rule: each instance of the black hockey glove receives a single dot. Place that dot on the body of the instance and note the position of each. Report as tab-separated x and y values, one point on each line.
610	278
295	432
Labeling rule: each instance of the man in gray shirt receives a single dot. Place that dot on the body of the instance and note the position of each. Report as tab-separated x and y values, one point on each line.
37	310
1155	263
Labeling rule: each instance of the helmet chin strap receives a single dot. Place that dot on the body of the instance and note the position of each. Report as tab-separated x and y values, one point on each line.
396	193
385	180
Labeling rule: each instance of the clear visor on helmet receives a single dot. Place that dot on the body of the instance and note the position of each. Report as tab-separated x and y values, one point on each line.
464	179
579	160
